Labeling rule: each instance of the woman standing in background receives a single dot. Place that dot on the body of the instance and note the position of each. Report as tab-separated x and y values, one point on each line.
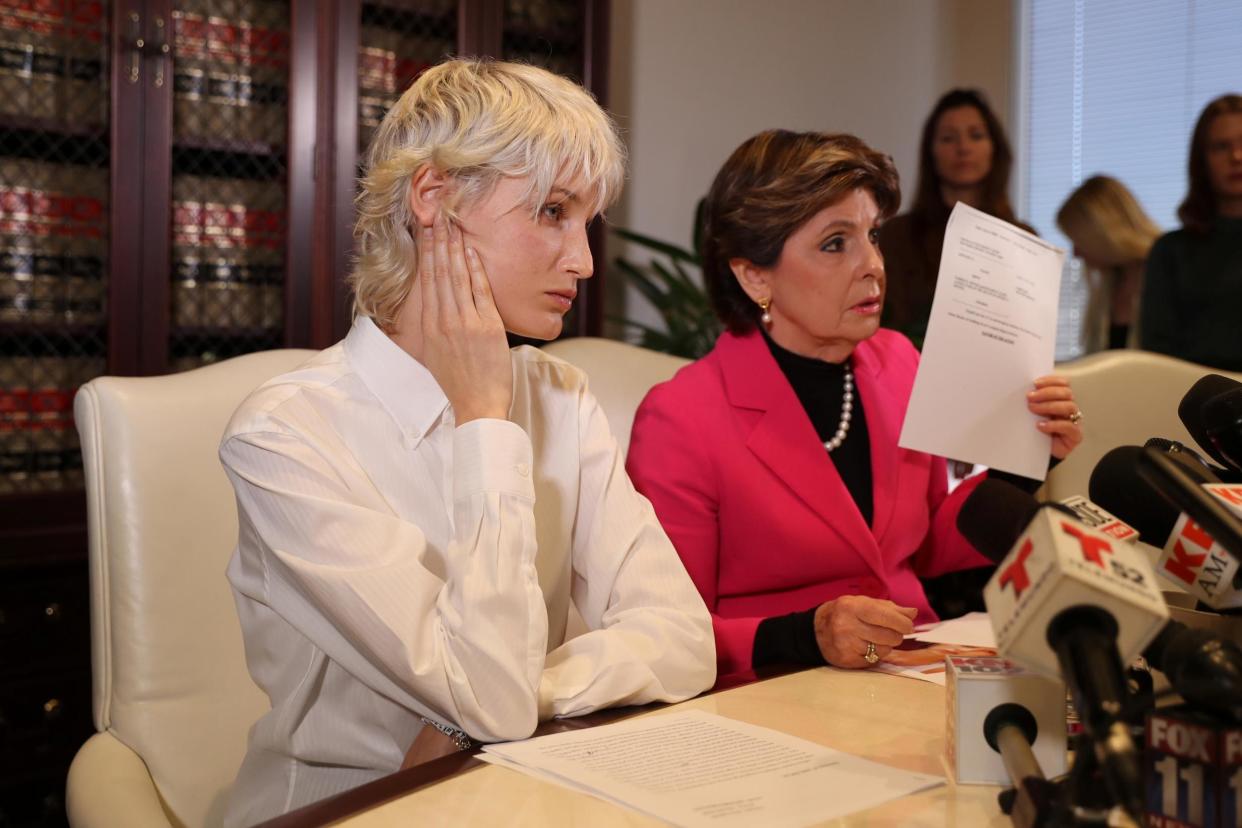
1112	235
963	156
1193	288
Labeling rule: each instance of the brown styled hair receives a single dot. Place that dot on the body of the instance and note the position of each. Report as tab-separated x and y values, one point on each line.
928	206
1199	207
769	187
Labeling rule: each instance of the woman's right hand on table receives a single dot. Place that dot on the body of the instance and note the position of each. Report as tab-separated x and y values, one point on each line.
845	626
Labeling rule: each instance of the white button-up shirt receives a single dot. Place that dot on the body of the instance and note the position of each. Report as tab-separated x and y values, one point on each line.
391	565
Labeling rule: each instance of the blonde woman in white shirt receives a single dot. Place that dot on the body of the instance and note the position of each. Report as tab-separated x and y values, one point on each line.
420	506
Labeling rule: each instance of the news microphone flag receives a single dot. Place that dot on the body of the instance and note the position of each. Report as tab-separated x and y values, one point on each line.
975	686
1058	563
1195	562
1099	519
1194	770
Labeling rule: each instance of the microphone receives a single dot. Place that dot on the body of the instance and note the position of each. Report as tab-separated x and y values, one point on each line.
1222	419
1190	557
1099	519
1191	412
1073	602
1204	670
1193	764
1178	486
978	692
1190	458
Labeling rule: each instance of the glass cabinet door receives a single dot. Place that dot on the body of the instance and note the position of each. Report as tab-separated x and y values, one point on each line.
397	41
54	186
229	140
547	33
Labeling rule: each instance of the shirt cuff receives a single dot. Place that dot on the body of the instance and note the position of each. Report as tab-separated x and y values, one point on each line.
492	456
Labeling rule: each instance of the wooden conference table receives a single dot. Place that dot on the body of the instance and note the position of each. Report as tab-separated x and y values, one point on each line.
889	719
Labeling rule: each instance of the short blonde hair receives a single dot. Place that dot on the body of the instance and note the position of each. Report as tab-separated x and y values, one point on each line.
1105	215
477	120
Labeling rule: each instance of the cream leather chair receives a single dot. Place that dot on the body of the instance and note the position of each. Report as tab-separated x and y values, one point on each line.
1126	397
619	375
172	698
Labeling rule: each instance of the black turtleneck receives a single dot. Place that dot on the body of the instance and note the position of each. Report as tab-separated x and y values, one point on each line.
819	386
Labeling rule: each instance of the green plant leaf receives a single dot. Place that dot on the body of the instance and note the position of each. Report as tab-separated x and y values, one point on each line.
668	284
667	249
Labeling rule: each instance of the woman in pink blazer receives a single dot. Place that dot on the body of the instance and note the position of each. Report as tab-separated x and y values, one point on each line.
773	461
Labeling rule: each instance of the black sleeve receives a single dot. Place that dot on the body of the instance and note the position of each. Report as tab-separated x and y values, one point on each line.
956	593
787	639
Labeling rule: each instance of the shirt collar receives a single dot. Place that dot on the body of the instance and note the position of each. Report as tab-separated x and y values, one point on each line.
403	385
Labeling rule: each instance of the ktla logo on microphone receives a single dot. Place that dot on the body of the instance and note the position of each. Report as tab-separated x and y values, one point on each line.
1196	563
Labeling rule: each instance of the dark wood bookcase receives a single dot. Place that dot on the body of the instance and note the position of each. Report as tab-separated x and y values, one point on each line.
176	188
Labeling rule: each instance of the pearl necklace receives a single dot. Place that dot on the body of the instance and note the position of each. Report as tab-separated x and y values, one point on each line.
847	411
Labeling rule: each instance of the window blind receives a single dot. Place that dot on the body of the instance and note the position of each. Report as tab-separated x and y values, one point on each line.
1113	87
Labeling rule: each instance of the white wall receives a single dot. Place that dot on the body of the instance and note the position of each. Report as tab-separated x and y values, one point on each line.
692	79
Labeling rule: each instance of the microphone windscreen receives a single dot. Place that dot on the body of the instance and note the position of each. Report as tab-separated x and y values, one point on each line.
1188	457
993	517
1190	409
1116	486
1222	421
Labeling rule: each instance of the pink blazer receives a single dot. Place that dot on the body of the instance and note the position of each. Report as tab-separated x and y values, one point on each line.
752	501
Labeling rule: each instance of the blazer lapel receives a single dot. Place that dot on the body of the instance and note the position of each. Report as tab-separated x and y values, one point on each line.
785	441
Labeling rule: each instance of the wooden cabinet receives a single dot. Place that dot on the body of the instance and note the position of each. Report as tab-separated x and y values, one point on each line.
176	187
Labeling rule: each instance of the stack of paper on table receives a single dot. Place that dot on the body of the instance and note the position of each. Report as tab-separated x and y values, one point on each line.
695	769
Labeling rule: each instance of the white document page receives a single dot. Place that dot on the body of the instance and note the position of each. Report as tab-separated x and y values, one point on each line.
992	332
974	629
700	769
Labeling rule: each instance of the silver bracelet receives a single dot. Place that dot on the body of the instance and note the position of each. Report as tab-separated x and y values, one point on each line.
459	737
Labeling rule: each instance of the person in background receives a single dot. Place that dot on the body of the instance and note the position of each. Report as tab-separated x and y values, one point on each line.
963	156
1192	292
773	461
418	505
1112	235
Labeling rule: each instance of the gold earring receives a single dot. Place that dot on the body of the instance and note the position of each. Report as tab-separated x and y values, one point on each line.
766	317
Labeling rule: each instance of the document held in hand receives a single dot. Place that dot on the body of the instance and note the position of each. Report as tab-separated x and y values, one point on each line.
992	332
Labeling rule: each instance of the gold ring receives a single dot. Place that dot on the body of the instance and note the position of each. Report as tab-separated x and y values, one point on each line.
1076	417
871	656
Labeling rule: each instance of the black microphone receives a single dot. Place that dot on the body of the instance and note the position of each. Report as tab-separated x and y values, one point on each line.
1176	484
1115	485
1205	670
1222	419
1010	730
994	515
1191	557
1191	410
1193	460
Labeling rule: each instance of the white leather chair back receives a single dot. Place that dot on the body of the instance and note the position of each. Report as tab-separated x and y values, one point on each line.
1126	397
170	678
619	374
